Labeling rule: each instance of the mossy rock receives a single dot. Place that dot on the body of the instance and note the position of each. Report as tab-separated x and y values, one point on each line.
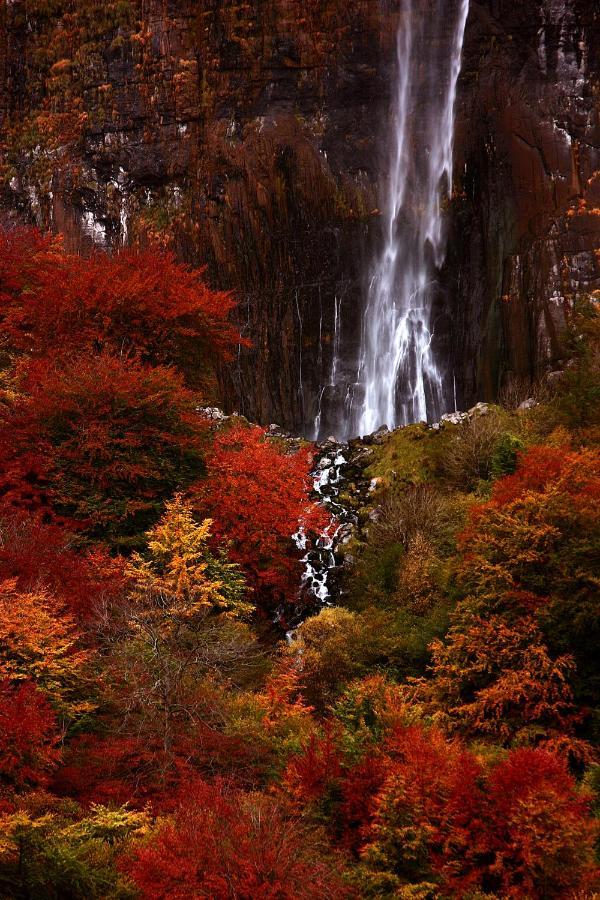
412	454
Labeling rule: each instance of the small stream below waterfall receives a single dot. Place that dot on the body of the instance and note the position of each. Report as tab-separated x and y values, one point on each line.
342	488
319	560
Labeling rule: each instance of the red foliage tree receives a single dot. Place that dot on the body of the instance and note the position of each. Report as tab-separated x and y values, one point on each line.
100	441
224	844
427	820
359	788
28	735
310	774
539	829
120	769
517	828
39	554
542	469
140	302
257	494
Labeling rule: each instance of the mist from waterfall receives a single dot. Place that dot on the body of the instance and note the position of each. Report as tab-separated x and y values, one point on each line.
399	379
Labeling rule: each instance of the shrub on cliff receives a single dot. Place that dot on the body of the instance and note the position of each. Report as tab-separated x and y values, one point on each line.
482	448
577	399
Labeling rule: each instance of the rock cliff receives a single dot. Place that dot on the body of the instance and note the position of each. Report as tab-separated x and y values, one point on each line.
527	220
249	137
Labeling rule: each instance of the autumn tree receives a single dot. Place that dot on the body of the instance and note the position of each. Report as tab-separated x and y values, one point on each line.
29	735
39	643
257	494
53	849
135	302
540	530
424	815
221	726
539	829
427	816
523	636
42	554
495	677
182	573
337	646
100	441
443	821
223	843
179	626
341	766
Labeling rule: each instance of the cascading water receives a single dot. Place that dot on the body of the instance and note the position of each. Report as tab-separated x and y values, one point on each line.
319	559
400	378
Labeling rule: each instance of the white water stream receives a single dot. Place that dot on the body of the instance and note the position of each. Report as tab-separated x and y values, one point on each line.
402	381
319	559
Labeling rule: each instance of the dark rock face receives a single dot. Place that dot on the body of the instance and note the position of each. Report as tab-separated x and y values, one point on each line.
527	224
249	137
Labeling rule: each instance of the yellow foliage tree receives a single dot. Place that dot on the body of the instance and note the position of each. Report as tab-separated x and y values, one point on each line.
179	632
186	579
39	642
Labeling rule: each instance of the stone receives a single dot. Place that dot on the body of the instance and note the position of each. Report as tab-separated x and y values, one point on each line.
213	413
379	436
454	418
363	458
480	409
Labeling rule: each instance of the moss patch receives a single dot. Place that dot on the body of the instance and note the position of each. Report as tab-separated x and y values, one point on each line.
411	454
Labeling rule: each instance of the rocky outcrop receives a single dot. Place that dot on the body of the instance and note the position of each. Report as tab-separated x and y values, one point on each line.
248	136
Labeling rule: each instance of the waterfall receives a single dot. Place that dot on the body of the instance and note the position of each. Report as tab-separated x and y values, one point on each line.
401	380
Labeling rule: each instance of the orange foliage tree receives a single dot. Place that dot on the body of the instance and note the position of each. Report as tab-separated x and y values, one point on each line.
526	629
539	531
496	678
40	643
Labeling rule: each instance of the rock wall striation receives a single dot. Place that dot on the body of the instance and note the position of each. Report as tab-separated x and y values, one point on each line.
526	218
248	137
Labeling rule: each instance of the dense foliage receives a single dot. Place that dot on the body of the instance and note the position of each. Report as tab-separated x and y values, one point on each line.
434	736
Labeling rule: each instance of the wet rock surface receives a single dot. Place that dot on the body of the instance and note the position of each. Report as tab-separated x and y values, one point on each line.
526	220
